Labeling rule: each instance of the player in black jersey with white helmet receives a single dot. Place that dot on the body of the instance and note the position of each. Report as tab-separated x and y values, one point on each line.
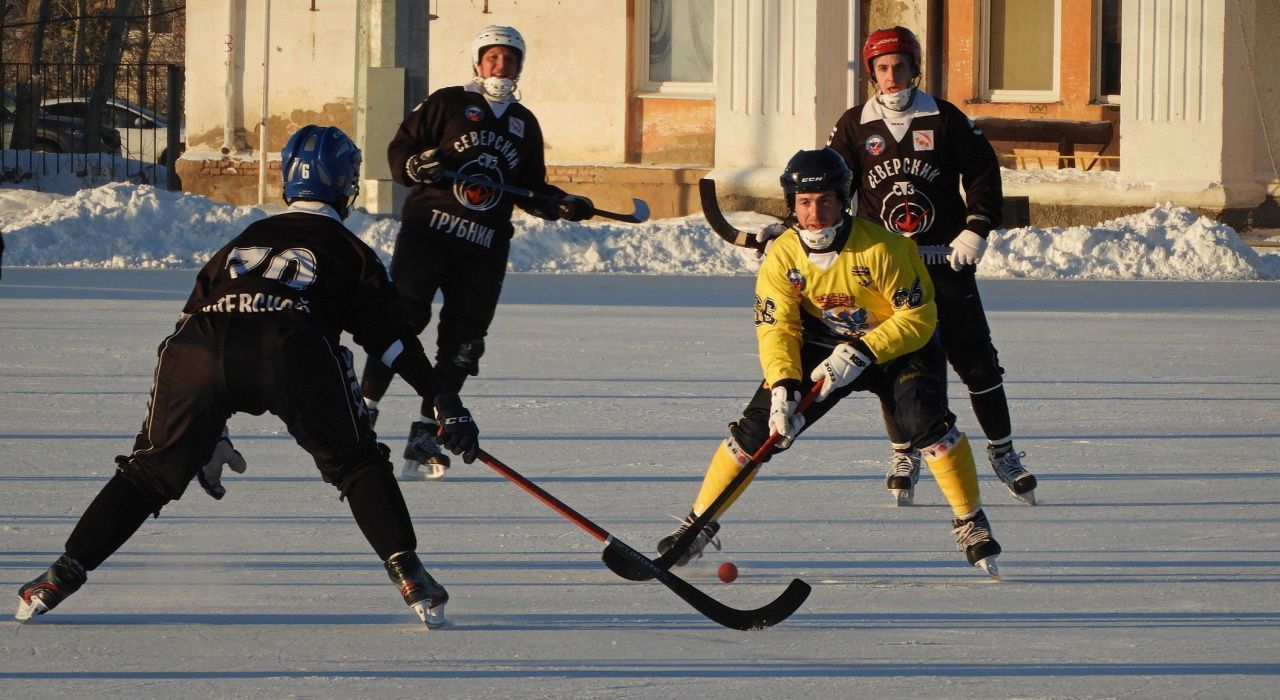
911	152
455	235
260	333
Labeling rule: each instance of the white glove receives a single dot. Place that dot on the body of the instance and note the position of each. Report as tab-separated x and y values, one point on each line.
967	249
841	367
783	418
224	454
770	232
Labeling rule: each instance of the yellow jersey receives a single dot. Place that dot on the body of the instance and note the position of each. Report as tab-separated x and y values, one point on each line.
873	291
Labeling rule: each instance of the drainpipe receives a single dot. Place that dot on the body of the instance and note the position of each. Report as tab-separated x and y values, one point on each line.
229	92
266	71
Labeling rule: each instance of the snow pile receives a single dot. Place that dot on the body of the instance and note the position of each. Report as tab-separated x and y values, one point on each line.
124	225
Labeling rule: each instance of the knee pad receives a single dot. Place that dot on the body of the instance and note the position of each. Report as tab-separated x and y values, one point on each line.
343	476
746	436
981	379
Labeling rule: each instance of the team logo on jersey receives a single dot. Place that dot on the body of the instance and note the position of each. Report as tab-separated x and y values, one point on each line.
848	321
473	193
473	113
796	280
906	210
516	126
875	144
923	139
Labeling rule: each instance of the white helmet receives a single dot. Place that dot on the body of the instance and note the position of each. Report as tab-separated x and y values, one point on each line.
497	35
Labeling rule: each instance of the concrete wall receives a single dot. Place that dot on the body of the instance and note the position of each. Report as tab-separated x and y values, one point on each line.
311	78
575	80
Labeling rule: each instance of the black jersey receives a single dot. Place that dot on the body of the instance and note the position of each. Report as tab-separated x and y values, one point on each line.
472	140
910	166
303	268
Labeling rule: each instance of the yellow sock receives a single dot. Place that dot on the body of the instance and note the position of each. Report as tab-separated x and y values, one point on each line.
951	462
724	466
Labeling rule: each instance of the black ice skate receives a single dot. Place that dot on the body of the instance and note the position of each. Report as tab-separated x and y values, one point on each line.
423	459
706	536
904	472
973	537
38	597
1008	466
420	591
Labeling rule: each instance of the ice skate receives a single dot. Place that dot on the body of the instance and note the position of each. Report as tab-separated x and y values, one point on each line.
706	536
420	591
1008	466
904	472
38	597
423	459
973	537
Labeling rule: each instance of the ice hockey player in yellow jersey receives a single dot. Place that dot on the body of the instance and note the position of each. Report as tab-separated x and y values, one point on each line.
844	301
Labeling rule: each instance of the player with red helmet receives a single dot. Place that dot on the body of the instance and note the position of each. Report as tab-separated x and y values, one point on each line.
911	152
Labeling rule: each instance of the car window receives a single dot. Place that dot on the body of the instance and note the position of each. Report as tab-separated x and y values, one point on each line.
65	109
119	118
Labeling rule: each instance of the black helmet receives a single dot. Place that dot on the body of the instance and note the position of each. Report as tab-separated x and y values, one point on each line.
816	171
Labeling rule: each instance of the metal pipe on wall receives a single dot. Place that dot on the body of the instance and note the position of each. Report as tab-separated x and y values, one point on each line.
266	72
229	89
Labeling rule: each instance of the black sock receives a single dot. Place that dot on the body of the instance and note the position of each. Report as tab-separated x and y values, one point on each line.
111	519
380	511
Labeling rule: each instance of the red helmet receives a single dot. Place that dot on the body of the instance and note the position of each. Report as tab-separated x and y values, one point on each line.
891	40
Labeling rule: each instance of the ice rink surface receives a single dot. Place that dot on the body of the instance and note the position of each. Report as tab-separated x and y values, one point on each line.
1149	411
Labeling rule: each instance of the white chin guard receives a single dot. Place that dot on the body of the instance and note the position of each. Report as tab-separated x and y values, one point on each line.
820	239
498	88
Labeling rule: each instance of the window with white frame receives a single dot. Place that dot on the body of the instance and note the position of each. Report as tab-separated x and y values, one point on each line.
674	54
1021	50
1107	61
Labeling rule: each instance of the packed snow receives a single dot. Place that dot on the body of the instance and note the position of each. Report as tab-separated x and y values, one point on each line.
123	225
1145	400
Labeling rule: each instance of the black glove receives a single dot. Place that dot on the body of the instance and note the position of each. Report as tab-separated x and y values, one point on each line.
576	208
424	167
458	430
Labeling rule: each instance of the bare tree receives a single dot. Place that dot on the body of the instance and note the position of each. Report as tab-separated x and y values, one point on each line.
30	89
105	84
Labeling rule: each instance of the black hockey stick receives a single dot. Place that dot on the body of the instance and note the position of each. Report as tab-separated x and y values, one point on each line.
639	216
626	568
722	227
931	254
773	613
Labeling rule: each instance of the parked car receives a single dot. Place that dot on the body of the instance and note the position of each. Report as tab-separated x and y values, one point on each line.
145	133
56	134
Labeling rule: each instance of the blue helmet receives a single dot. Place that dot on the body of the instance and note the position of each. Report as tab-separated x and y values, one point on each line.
321	164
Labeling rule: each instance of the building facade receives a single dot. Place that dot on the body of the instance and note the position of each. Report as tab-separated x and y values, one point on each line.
642	97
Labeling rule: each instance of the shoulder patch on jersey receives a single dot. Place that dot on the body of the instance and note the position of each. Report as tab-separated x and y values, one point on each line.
796	279
923	139
875	144
516	126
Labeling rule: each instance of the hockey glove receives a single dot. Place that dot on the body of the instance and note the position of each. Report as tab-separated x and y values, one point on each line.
841	367
967	249
424	167
458	430
224	454
576	208
783	418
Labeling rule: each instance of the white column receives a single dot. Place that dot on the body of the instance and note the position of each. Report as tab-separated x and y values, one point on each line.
782	77
391	53
1188	114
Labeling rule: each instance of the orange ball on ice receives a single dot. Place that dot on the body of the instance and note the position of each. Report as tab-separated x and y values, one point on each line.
727	572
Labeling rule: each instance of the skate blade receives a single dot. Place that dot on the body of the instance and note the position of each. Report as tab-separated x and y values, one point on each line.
433	618
903	497
1028	498
28	610
417	471
989	567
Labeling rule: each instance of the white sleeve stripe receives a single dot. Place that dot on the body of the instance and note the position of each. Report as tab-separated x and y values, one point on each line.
392	352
